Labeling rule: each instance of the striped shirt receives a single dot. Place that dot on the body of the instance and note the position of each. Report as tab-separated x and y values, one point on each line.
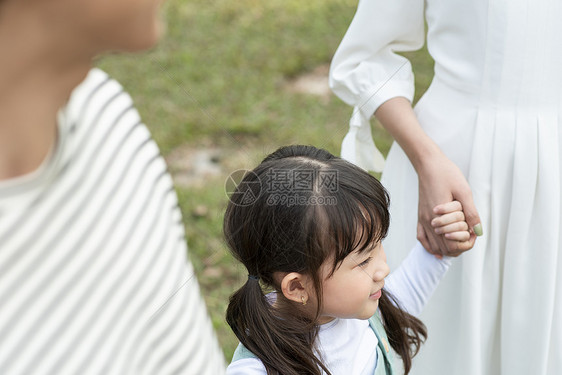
93	271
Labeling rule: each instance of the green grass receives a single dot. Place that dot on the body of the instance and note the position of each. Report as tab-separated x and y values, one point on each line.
218	78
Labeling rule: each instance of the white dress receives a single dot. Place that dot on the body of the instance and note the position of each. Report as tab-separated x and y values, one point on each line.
494	109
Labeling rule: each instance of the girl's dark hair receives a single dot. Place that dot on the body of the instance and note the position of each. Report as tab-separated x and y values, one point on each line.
299	208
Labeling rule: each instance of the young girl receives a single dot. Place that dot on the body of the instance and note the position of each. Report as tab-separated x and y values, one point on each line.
312	233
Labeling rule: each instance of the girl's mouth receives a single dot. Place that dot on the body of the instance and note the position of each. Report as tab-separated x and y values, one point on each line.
376	295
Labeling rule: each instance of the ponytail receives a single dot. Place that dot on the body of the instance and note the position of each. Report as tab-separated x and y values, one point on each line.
405	332
283	343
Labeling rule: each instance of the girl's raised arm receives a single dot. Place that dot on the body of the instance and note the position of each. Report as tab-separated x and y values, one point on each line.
413	283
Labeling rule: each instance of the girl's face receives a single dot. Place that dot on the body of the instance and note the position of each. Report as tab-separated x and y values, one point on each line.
354	289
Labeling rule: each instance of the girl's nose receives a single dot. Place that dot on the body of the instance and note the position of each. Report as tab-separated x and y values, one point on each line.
382	269
381	272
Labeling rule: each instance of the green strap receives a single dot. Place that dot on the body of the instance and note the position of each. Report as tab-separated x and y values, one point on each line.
384	352
242	352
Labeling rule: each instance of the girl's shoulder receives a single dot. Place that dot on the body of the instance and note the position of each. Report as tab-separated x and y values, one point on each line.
242	352
244	362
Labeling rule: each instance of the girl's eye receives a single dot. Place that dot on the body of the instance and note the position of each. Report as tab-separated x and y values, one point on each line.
365	262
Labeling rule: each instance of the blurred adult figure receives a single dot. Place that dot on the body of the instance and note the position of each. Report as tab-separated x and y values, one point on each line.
93	271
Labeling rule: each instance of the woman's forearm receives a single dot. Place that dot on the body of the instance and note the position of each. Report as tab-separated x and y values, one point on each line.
440	180
398	118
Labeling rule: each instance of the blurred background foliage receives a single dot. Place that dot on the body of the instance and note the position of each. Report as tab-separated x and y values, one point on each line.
224	85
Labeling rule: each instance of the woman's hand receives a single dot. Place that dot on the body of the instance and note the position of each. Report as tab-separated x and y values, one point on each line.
440	180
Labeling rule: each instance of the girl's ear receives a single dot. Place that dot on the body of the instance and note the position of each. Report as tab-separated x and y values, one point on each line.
296	287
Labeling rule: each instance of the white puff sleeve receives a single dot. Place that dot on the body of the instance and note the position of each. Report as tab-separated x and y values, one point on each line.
365	71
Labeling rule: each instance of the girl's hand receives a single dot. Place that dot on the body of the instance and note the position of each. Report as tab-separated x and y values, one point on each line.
450	222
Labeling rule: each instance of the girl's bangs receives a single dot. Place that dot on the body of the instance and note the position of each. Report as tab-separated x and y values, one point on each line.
358	220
